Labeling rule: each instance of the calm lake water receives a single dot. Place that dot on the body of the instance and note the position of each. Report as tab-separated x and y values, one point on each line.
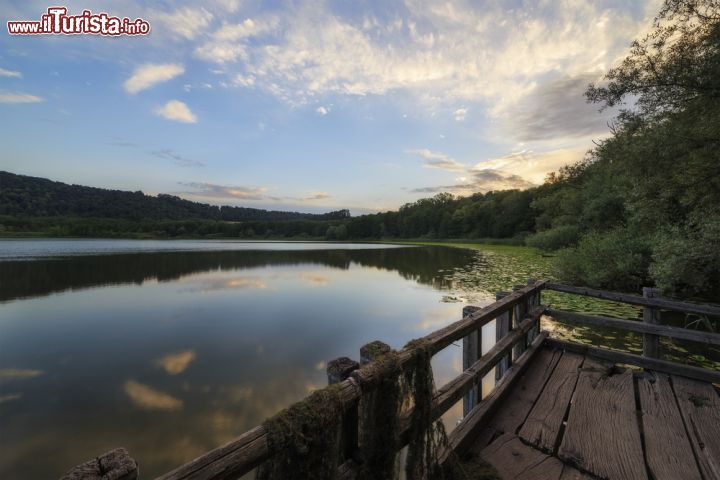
171	348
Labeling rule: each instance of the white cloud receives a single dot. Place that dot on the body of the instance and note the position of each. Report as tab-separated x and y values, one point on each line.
178	111
322	111
230	42
149	75
185	22
10	73
530	165
19	97
440	53
221	52
460	114
231	6
439	160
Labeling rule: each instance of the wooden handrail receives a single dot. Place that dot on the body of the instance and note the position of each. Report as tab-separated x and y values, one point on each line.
662	304
673	368
635	326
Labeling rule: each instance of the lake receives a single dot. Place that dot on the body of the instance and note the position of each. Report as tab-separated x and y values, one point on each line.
171	348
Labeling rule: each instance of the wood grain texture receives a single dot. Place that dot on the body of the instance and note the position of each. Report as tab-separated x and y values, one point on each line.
667	448
602	435
521	399
543	425
464	435
700	408
514	460
697	373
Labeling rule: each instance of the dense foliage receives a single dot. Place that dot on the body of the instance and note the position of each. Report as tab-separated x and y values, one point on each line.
644	206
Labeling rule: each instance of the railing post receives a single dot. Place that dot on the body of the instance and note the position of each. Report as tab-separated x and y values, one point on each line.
533	301
472	351
116	464
652	316
337	371
519	312
502	328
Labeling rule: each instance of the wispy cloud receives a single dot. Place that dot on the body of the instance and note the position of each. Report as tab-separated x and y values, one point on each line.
177	159
211	190
19	97
460	114
177	111
438	160
480	181
186	22
250	193
10	73
149	75
322	111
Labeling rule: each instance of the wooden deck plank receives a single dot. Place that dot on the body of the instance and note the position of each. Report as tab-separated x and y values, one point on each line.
543	425
602	435
700	409
667	447
514	460
521	399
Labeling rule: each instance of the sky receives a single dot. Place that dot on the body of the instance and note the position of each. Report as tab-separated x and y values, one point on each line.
311	105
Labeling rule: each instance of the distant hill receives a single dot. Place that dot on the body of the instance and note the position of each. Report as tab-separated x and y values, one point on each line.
23	196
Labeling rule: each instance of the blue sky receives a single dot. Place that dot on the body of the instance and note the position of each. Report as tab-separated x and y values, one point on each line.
312	106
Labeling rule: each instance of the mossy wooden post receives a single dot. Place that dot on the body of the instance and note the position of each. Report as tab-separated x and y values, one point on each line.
502	328
533	301
518	313
337	371
652	316
116	464
472	351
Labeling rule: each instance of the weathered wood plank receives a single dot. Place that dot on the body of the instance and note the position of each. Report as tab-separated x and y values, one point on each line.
453	391
697	373
522	398
514	460
667	448
635	326
651	316
712	310
442	338
471	352
502	329
602	434
700	409
462	438
543	425
115	464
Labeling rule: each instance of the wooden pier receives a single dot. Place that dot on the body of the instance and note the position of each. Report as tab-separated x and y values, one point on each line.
558	410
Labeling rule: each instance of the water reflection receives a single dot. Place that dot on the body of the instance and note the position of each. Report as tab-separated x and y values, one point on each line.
172	354
25	279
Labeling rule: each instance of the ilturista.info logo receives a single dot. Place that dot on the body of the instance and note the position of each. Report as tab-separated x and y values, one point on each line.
56	21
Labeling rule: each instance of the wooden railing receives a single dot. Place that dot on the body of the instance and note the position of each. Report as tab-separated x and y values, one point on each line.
518	338
651	327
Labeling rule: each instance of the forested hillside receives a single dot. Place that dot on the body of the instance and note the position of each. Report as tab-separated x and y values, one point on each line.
23	196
